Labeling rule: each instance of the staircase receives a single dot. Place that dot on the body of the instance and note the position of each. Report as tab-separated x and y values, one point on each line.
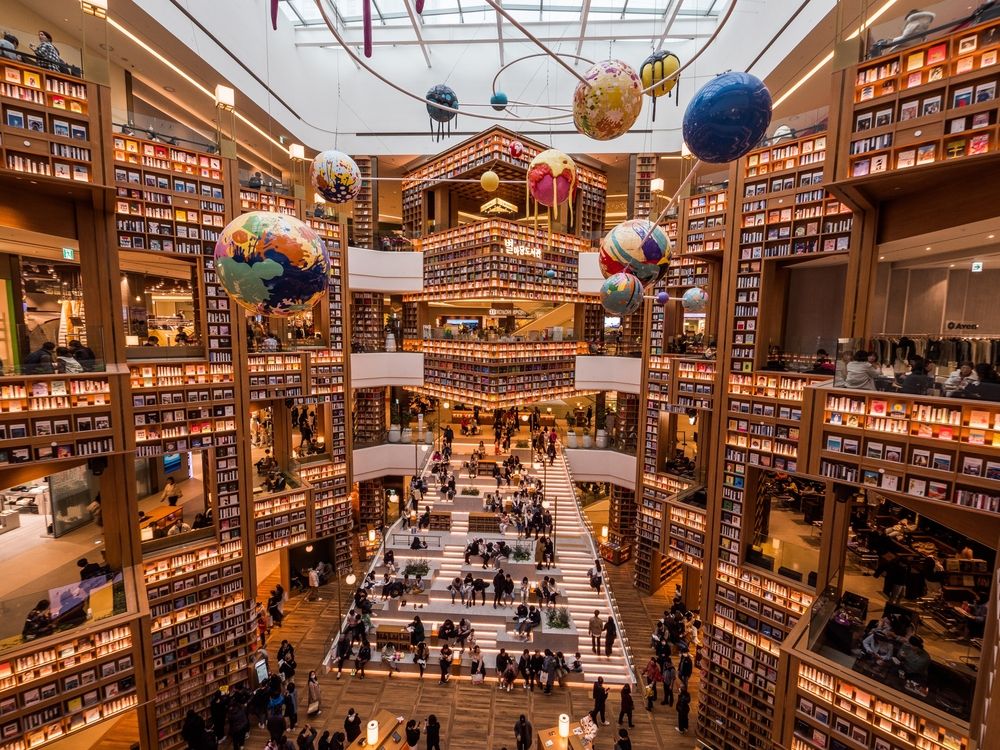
494	627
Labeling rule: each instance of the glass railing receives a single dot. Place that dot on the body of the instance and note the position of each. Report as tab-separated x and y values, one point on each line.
66	349
29	616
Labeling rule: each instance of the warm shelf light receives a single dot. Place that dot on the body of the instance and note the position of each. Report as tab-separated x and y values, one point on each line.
95	8
564	725
225	97
372	736
604	532
350	581
371	535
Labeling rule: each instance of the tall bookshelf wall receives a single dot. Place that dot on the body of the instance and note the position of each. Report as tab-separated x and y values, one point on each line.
367	311
621	515
642	170
365	206
369	419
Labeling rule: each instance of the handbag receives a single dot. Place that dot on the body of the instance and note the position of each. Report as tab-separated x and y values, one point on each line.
313	708
477	678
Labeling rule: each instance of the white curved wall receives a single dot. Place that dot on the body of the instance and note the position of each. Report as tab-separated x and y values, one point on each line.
593	465
608	373
392	459
376	369
377	271
591	277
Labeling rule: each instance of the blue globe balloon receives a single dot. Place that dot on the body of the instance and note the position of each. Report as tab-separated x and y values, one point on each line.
443	95
662	298
499	101
727	117
550	273
621	294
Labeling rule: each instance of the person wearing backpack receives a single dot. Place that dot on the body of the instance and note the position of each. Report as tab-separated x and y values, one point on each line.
669	675
239	724
685	667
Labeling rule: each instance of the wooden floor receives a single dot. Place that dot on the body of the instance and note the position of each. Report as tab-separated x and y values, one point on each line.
473	716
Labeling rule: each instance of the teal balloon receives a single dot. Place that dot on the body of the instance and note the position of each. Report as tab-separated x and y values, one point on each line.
499	101
621	294
695	299
550	274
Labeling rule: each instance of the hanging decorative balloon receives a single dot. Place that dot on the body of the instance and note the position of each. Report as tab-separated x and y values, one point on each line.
489	181
657	69
608	101
727	117
551	181
637	246
516	149
335	176
274	14
621	294
695	299
662	298
550	273
499	101
272	264
444	96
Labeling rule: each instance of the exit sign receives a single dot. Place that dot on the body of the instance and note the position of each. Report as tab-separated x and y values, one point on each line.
977	266
68	253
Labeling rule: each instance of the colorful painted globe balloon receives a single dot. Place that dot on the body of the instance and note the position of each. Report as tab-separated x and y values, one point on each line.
550	273
272	264
489	181
695	299
621	294
335	176
639	245
610	104
609	266
516	149
499	101
727	117
552	177
662	298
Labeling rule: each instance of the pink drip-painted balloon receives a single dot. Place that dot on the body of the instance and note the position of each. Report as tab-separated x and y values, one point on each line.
366	11
274	14
420	6
542	190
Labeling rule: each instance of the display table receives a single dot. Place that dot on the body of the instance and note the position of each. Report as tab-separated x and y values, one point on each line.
389	729
158	520
9	520
549	739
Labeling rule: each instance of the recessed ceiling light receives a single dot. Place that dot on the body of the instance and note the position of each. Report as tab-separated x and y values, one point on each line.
171	89
989	236
951	265
881	257
927	249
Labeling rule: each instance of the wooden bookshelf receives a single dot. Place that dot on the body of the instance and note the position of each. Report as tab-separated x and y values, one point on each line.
365	206
277	376
254	199
642	170
703	220
929	103
368	416
687	532
51	124
367	321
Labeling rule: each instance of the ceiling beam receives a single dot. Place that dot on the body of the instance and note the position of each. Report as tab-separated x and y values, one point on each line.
500	32
436	41
584	17
668	24
416	31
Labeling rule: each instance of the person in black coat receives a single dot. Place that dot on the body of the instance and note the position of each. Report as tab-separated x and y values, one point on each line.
412	733
194	732
523	733
683	709
432	732
352	726
624	742
239	724
499	586
628	705
600	694
610	633
218	708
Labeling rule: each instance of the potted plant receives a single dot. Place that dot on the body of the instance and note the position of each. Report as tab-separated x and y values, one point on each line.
406	435
558	618
571	433
394	428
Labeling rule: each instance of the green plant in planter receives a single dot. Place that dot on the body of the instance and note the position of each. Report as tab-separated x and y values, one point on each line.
417	568
521	444
558	618
405	418
521	554
470	490
570	420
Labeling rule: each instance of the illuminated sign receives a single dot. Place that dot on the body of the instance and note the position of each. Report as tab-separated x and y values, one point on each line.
960	325
510	248
977	266
501	312
68	253
498	206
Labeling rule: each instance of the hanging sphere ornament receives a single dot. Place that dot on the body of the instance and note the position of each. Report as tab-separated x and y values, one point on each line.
441	96
695	299
551	182
621	294
608	101
516	149
335	176
727	117
489	181
499	101
656	70
550	273
662	298
272	264
639	246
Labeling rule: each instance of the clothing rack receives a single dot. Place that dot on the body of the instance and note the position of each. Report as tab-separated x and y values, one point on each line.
934	347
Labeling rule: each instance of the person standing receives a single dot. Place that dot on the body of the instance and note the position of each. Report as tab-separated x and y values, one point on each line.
669	675
683	709
171	493
343	652
600	695
307	738
595	627
653	675
46	52
352	726
291	705
499	587
412	734
432	733
239	724
313	584
445	663
523	733
315	696
610	633
685	667
627	706
364	656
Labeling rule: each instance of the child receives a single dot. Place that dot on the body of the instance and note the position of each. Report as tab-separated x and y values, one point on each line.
650	696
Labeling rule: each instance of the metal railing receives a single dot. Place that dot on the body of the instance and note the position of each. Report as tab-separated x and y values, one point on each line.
612	601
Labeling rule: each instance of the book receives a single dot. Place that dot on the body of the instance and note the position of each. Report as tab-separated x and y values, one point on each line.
920	457
936	73
914	61
967	45
77	131
964	65
860	168
863	121
930	106
905	159
61	170
890	482
926	153
961	97
972	466
883	117
937	490
992	470
979	144
957	125
954	149
986	91
988	59
913	80
60	127
894	453
878	407
834	443
941	462
15	119
909	110
916	487
32	80
880	163
867	92
36	124
980	120
871	477
874	450
12	75
937	53
851	446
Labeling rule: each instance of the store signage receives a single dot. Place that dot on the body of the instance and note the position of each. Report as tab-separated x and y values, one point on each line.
68	253
503	312
977	266
960	325
498	206
523	251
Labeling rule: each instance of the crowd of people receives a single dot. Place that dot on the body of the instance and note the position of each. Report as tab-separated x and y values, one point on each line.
49	358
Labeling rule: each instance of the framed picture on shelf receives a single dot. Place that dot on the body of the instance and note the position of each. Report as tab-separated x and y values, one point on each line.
890	482
917	487
936	73
961	97
822	715
957	125
8	705
941	462
880	163
914	79
863	121
986	91
993	470
859	734
915	61
883	117
988	59
937	490
979	144
36	124
980	120
930	106
964	65
906	159
909	110
967	45
972	466
926	154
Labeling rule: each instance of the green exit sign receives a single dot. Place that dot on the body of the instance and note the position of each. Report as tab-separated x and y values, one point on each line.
69	253
977	266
